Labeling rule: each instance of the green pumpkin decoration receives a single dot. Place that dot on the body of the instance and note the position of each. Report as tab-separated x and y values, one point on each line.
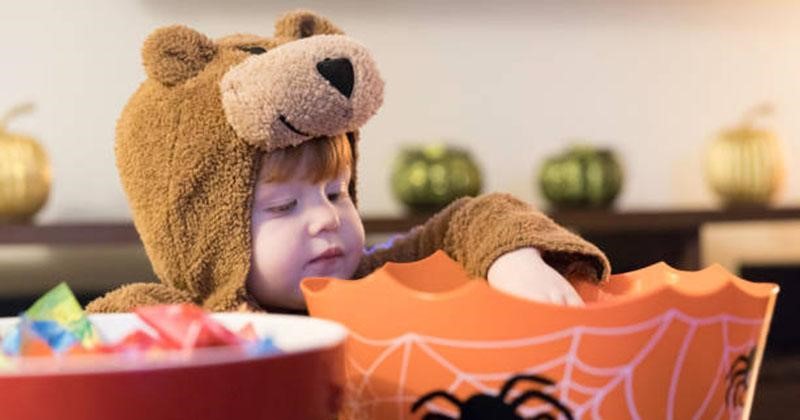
582	177
744	165
426	179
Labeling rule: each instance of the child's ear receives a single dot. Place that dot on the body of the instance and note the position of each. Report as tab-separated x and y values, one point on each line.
175	54
303	24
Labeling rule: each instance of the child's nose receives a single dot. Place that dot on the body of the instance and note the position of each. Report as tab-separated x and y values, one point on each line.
325	217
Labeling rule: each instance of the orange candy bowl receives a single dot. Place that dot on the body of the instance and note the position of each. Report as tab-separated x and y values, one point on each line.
427	342
303	382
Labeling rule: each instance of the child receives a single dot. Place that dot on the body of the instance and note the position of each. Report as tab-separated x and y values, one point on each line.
304	224
236	202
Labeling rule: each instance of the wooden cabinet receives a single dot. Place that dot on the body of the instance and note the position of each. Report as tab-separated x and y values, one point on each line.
94	257
634	239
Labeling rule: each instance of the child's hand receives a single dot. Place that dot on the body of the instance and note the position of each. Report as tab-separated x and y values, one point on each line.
523	273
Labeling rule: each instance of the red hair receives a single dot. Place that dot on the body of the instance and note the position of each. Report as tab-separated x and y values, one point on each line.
321	157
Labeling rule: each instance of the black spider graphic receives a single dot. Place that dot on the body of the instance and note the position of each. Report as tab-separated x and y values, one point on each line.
482	407
737	379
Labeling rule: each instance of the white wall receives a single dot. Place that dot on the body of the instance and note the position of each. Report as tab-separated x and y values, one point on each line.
512	81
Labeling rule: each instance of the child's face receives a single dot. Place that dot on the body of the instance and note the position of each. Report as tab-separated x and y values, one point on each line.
302	229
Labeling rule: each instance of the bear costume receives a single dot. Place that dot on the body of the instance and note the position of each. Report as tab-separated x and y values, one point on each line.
189	145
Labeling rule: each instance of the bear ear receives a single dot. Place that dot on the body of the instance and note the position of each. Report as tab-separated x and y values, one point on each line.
175	54
303	24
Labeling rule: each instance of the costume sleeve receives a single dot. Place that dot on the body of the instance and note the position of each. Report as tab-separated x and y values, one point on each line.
128	297
420	242
476	231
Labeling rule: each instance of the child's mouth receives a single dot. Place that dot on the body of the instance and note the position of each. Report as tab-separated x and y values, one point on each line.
330	254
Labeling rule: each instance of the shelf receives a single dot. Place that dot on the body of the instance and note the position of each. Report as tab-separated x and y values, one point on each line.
599	221
631	239
69	234
588	222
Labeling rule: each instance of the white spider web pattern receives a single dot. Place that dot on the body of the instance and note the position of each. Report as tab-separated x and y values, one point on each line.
361	398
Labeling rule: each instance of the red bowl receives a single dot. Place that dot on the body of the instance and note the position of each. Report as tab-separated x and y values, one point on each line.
305	381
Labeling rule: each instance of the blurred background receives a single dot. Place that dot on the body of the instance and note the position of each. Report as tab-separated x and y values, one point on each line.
512	83
512	80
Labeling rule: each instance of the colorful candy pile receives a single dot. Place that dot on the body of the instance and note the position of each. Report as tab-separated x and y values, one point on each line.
56	325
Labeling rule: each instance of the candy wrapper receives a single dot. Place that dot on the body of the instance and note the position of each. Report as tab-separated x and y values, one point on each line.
60	306
187	326
5	363
57	325
56	320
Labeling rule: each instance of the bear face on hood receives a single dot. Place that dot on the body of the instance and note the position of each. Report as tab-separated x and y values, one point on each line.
190	140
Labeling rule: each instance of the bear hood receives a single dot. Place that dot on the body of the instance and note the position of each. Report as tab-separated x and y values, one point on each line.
189	141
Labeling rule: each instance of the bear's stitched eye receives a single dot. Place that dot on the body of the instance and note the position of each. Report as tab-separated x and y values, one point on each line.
253	49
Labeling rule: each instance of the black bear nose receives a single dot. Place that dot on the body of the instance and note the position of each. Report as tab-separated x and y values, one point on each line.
339	72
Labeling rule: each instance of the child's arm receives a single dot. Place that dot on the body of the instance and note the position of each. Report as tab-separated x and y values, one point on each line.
477	232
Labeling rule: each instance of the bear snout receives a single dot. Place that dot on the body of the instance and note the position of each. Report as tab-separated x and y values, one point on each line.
323	85
339	72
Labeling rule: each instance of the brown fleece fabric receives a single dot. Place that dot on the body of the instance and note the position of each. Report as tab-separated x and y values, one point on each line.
189	146
476	231
188	163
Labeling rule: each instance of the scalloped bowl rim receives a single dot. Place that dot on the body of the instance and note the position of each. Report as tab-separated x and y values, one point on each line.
720	280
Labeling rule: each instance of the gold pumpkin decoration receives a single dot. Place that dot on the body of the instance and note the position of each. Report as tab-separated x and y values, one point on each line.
24	173
744	165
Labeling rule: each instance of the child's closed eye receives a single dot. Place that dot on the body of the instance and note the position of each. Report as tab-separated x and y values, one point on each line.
282	208
337	195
